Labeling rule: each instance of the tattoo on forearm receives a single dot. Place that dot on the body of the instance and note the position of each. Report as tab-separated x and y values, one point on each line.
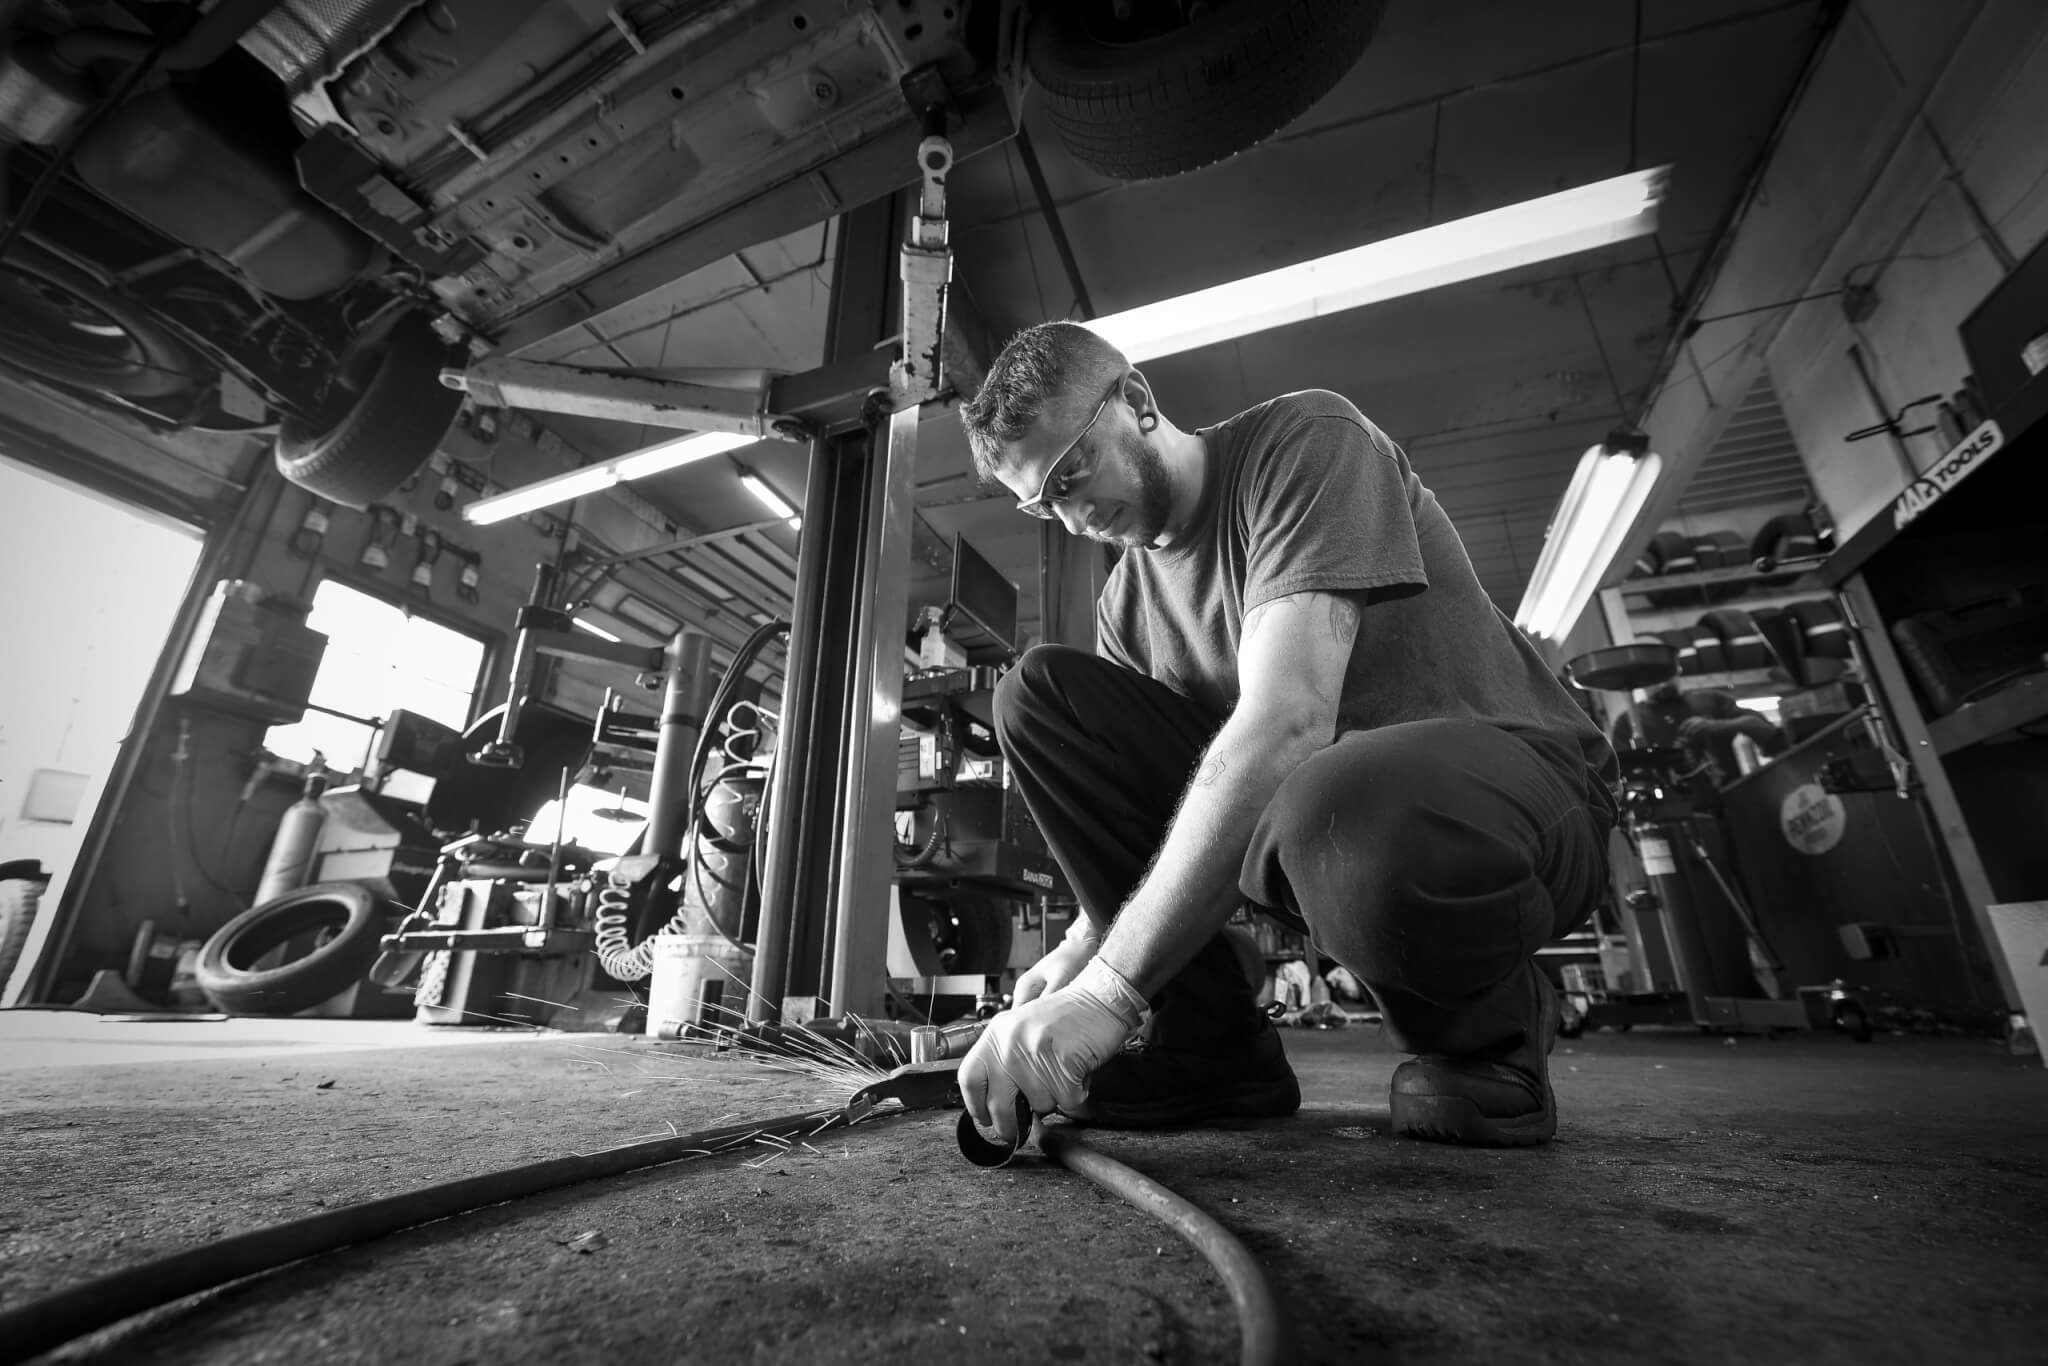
1211	774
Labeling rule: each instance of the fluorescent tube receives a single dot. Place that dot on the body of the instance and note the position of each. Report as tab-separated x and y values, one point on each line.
1606	494
703	581
770	499
666	455
561	488
1536	230
682	451
580	624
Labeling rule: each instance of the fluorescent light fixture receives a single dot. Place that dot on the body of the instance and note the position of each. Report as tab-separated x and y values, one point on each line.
632	610
666	455
1574	220
1606	494
1558	224
682	451
1766	705
770	499
500	507
703	581
580	624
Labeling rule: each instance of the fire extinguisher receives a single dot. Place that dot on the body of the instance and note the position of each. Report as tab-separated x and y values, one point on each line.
291	852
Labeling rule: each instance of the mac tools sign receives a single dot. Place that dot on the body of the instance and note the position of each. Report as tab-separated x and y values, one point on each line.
1951	470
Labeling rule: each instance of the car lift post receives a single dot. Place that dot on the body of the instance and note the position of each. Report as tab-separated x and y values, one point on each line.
823	940
825	897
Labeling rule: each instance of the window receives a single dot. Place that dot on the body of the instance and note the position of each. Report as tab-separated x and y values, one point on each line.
379	657
605	822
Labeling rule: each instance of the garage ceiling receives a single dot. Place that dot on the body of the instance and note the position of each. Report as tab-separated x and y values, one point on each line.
1494	386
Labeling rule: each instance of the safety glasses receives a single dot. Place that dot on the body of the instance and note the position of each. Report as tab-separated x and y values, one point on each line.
1045	503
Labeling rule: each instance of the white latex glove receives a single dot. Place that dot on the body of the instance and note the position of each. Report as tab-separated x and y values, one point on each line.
1045	1050
1061	964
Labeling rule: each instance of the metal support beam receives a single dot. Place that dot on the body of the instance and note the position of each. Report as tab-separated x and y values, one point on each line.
831	812
866	835
505	382
824	883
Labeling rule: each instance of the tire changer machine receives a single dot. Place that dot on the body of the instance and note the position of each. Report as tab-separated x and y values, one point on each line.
512	930
1710	971
972	870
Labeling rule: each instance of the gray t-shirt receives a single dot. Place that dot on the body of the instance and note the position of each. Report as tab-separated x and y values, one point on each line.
1305	494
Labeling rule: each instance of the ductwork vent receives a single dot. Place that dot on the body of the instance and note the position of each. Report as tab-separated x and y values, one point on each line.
1755	463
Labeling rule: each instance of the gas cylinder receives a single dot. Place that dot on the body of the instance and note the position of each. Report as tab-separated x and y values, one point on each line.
291	852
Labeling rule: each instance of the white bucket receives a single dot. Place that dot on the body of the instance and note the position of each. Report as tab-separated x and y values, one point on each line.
698	984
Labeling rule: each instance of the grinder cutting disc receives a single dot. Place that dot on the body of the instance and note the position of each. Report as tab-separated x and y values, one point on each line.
985	1152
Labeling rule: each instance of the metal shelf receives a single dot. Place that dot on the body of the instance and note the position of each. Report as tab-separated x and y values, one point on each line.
1731	679
1799	572
2007	709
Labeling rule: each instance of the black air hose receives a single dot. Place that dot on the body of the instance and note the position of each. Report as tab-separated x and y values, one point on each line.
1263	1337
29	1330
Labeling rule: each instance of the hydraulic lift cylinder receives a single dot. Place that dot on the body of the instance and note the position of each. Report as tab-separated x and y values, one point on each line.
683	701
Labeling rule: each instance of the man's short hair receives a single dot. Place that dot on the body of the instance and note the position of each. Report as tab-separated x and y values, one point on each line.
1039	363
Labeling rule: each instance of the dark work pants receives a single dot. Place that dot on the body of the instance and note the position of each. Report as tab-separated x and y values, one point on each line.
1432	858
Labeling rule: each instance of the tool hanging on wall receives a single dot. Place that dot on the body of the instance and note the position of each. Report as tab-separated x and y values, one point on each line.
472	573
384	532
1894	424
448	486
306	541
423	562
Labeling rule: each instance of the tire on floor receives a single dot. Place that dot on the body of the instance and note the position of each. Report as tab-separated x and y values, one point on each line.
227	972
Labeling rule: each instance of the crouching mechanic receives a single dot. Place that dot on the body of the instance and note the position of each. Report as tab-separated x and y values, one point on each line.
1302	699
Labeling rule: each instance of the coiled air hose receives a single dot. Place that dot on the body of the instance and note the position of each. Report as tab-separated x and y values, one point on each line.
29	1330
619	956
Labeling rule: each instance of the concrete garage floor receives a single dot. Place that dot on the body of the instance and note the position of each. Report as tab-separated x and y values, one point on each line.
1804	1200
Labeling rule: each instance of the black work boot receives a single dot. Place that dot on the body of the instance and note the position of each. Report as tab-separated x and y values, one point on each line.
1498	1099
1158	1085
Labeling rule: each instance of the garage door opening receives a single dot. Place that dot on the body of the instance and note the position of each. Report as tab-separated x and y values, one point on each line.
89	591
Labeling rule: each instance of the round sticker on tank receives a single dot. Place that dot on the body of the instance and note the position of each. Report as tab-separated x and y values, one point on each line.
1812	818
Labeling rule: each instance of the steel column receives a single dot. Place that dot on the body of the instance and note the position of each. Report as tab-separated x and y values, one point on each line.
670	797
865	837
787	875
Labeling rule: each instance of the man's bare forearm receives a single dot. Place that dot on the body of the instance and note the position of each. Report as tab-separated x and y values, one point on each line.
1191	889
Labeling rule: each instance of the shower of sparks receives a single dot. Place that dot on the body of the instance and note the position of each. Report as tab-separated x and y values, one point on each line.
542	1000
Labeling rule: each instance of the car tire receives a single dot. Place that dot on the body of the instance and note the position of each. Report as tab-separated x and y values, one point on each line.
60	324
389	411
1162	105
226	972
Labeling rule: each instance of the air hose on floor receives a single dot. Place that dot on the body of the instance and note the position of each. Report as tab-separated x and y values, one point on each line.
29	1330
1262	1334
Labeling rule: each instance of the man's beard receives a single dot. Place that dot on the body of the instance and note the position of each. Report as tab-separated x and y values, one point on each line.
1147	519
